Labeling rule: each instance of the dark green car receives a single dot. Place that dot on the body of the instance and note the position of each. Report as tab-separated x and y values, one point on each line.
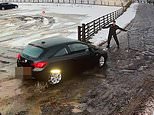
6	6
53	58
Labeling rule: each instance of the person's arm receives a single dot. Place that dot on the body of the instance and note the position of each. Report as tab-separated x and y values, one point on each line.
104	27
121	29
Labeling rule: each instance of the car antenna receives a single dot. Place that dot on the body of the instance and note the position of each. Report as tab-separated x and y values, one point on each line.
43	42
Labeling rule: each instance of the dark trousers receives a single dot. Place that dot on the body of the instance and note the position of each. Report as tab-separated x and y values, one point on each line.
115	38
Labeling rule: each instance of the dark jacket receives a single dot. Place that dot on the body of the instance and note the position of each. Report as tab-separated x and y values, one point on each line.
113	29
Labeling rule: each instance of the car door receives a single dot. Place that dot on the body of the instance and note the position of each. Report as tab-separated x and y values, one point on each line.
61	60
81	55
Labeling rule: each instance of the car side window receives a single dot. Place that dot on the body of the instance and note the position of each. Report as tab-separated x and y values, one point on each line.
61	52
78	47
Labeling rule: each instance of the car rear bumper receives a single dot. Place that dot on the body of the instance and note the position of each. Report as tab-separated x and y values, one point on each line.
40	74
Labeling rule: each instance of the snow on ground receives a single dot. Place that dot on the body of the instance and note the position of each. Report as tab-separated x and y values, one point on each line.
122	21
92	11
28	23
20	26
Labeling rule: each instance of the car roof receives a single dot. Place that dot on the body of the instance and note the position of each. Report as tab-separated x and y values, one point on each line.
4	3
53	41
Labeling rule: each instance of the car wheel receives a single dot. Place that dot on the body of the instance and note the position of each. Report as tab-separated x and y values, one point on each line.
102	61
16	7
54	78
3	8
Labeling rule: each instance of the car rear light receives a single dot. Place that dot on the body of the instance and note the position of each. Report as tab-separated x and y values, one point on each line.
19	56
39	64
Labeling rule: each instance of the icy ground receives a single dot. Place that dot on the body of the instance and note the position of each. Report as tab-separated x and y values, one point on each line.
36	21
31	22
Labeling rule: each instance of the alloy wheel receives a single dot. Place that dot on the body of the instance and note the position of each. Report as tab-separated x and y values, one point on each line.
55	78
101	61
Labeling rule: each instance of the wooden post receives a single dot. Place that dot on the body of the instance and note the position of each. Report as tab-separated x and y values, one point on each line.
113	16
83	33
88	29
114	3
110	17
79	33
99	23
107	18
88	1
103	21
94	26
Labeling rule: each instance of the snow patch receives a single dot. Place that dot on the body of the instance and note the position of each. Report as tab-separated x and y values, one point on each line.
122	21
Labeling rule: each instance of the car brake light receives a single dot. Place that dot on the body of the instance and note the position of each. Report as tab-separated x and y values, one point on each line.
18	56
40	64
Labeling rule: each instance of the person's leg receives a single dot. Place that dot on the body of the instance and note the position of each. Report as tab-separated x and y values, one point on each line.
108	41
116	39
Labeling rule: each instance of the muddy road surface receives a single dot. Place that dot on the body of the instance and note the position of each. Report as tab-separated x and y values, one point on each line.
125	86
128	88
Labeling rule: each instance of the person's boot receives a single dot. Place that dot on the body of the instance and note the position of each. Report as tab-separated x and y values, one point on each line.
118	46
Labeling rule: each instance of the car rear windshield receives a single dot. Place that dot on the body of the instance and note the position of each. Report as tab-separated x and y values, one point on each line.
33	51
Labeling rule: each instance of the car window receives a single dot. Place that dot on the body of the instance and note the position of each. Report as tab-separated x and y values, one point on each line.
33	51
77	47
51	51
61	52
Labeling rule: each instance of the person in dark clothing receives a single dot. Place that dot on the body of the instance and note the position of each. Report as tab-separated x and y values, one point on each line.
112	32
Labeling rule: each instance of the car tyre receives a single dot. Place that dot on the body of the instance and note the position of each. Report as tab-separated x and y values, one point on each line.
16	7
3	8
54	78
102	61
